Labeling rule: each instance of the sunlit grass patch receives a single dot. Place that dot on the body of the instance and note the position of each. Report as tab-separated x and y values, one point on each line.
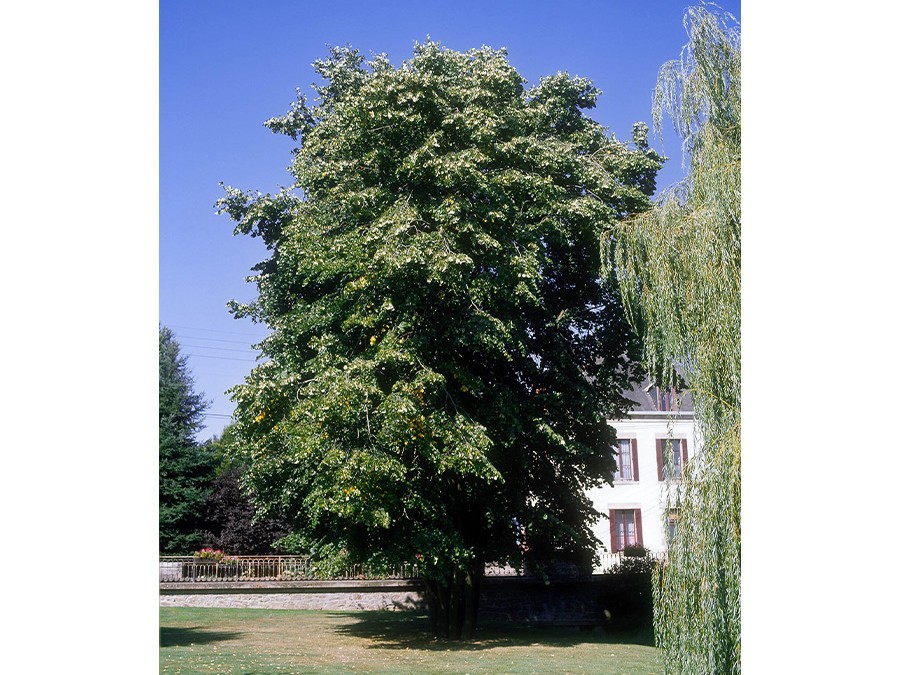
214	640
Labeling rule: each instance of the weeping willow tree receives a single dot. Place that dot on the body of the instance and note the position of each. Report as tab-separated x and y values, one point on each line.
679	271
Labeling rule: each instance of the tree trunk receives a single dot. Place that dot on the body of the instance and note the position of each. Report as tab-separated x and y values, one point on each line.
437	597
453	605
472	596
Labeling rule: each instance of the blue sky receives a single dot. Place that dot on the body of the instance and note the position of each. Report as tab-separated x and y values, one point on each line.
225	67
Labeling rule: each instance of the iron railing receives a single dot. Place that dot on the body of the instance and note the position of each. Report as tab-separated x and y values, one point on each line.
609	560
300	568
269	568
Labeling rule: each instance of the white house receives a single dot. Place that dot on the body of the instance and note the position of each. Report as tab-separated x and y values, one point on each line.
656	438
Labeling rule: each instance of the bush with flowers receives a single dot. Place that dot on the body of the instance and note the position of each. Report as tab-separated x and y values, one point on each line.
211	555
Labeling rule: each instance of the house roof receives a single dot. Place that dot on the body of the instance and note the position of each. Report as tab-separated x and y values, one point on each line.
646	399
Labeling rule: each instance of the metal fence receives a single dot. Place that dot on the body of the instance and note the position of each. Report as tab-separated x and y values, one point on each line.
609	561
269	568
300	568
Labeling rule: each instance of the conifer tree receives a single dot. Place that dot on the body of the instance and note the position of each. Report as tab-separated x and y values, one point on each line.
186	468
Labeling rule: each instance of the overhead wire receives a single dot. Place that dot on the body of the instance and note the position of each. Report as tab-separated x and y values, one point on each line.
197	337
219	349
213	330
221	358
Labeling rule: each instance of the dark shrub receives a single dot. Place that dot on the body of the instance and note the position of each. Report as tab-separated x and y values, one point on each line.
634	566
634	551
230	519
626	602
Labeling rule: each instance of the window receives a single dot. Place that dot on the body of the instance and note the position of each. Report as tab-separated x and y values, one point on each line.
624	528
672	523
626	460
671	456
665	400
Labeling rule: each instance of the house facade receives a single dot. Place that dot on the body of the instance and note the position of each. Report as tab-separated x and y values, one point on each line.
654	442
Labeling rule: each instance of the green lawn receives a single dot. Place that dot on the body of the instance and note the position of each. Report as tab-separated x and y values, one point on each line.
194	640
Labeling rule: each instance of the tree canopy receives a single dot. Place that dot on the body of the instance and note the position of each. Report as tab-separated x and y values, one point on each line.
185	467
679	266
444	353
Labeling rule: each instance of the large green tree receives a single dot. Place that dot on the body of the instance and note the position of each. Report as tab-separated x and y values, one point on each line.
680	270
186	468
444	354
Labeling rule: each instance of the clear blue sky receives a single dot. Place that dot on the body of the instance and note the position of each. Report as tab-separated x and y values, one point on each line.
225	67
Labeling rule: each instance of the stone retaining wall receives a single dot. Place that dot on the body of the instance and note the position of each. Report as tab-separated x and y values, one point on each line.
330	595
614	601
610	600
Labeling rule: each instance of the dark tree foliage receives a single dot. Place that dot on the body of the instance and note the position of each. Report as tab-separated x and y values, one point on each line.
186	468
233	523
231	519
444	354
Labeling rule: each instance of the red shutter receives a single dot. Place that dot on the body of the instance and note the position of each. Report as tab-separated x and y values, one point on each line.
683	456
659	458
612	531
634	461
637	526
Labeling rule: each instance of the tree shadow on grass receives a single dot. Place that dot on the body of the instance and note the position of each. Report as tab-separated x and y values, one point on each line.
182	637
408	630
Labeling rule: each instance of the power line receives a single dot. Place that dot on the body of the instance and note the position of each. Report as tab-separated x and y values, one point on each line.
214	330
197	337
223	358
219	349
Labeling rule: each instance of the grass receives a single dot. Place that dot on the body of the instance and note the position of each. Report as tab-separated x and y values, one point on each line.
258	641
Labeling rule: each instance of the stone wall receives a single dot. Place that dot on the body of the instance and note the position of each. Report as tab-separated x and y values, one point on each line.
613	601
330	595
